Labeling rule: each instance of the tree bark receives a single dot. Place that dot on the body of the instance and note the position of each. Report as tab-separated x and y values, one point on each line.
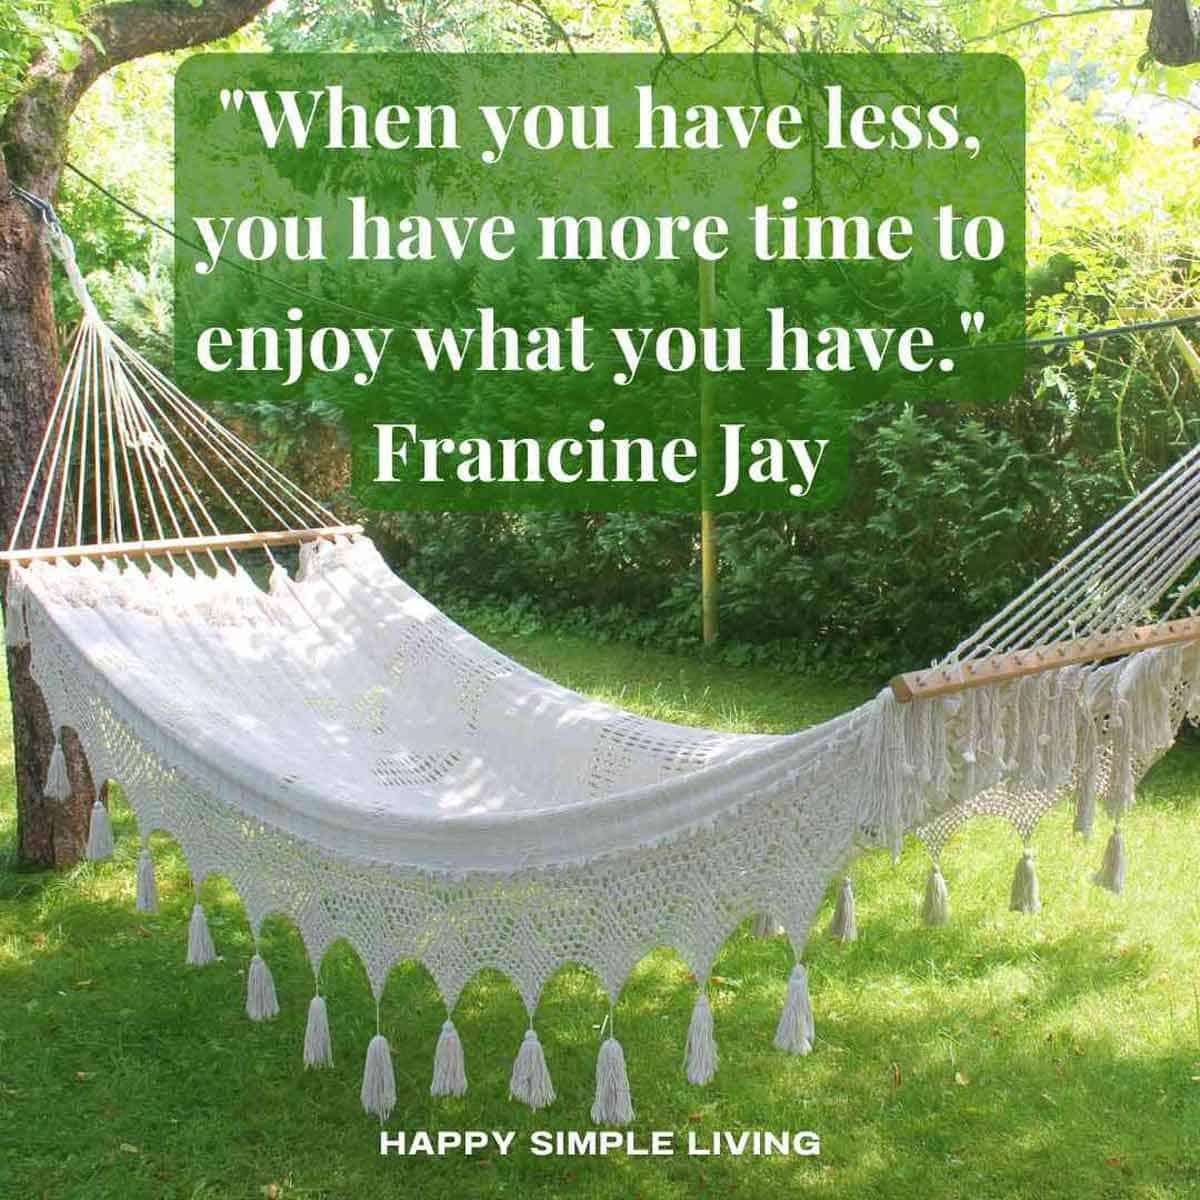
1174	37
33	148
48	833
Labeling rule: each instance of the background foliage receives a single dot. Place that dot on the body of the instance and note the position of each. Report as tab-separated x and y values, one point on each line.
952	508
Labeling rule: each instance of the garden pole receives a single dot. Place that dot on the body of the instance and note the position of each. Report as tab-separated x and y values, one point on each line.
708	532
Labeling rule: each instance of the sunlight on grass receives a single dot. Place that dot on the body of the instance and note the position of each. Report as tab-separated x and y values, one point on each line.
1000	1058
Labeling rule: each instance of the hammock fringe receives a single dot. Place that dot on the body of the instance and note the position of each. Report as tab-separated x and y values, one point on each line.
100	834
795	1032
318	1046
16	627
1024	897
58	779
378	1092
613	1104
147	888
261	1002
1085	813
764	925
844	925
701	1058
530	1082
1112	870
449	1065
200	951
935	909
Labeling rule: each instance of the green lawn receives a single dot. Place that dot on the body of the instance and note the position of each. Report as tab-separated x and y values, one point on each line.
1001	1057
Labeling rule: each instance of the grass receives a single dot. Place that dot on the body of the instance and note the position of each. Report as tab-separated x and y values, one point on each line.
1003	1057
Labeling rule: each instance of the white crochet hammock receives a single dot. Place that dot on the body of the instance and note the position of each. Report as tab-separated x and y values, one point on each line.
347	756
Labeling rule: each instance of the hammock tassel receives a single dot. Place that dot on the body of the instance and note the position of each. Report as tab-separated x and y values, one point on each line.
1088	756
795	1030
764	926
16	627
449	1069
146	900
892	798
100	834
15	634
378	1093
701	1058
1112	870
530	1083
844	926
318	1046
613	1104
261	1003
58	780
1085	812
1024	897
200	951
936	908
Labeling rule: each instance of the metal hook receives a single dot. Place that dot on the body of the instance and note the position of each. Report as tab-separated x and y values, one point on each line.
42	209
52	233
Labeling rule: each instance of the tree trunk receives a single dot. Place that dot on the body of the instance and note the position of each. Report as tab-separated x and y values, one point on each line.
49	833
33	147
1174	37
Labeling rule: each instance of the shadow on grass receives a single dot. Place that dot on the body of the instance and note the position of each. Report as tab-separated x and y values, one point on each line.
1171	783
1079	962
929	1077
31	884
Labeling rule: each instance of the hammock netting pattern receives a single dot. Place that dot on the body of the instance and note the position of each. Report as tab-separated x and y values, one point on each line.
347	756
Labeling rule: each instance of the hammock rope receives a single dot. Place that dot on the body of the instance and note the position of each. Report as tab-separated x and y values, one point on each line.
1117	574
126	452
1098	601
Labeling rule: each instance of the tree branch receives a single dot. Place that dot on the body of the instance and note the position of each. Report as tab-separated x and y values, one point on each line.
557	29
762	22
1173	38
1056	16
663	40
34	129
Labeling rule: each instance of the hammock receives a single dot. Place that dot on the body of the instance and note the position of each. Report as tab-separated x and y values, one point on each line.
347	756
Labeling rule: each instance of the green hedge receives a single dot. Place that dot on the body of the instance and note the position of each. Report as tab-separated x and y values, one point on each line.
951	512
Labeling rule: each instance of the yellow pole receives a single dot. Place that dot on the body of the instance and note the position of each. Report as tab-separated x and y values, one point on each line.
708	520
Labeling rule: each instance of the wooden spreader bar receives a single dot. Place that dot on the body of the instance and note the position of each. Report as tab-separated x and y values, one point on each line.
187	545
997	668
